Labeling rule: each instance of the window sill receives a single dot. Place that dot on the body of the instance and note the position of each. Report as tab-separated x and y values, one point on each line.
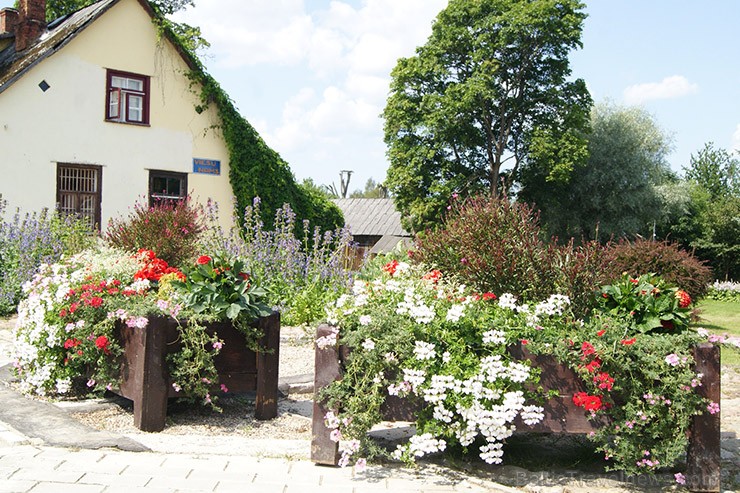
136	124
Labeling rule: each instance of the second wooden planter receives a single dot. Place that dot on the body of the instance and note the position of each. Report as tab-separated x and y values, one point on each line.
561	415
146	381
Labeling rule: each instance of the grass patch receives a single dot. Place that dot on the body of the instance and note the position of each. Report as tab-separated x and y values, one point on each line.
721	317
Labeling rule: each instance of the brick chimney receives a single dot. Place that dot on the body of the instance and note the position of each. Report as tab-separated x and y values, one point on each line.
32	23
8	20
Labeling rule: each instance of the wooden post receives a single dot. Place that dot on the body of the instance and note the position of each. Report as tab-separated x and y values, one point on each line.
326	371
703	455
266	401
150	376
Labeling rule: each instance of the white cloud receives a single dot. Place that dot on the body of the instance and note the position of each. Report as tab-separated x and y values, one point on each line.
672	87
736	138
347	53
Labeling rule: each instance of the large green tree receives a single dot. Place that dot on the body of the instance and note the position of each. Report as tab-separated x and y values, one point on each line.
614	193
489	86
716	170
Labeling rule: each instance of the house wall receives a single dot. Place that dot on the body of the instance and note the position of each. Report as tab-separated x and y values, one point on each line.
67	122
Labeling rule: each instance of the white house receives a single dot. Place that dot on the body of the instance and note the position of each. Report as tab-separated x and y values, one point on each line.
96	112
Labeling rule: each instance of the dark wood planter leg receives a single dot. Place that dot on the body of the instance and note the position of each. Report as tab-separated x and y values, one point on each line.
326	370
150	385
703	455
266	402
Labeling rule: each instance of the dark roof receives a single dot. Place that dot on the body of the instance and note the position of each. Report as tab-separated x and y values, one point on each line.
58	33
376	217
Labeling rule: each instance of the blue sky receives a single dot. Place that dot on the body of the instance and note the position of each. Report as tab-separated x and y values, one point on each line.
312	75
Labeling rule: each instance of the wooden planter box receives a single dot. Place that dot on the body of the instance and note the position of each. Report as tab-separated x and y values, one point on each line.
561	415
146	381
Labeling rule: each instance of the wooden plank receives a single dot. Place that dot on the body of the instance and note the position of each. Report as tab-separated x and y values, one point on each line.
703	455
266	403
151	382
326	371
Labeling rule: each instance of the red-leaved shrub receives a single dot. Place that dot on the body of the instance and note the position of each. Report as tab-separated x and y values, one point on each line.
668	260
494	245
169	228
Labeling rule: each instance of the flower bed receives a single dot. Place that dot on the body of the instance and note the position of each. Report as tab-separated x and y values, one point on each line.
482	367
104	315
560	413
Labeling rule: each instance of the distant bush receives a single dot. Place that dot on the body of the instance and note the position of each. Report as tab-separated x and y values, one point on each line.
724	291
170	228
27	241
668	260
497	246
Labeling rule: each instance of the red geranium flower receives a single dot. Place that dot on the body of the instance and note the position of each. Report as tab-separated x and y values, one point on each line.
70	343
391	267
592	366
601	332
587	349
96	302
489	296
629	342
604	381
588	402
203	259
102	343
684	300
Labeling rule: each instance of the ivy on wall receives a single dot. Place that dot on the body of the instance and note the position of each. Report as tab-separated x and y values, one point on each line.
255	168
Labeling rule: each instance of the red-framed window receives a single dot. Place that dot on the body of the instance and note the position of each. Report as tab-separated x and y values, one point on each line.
127	97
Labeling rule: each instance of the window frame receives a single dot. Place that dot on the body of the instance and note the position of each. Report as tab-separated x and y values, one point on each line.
157	173
97	195
123	97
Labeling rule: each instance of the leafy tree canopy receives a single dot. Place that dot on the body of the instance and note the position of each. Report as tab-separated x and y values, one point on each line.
373	190
489	86
614	193
715	170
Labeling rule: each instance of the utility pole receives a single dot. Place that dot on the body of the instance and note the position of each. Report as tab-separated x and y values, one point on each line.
344	177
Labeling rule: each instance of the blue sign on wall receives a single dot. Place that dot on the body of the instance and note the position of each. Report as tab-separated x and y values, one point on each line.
207	166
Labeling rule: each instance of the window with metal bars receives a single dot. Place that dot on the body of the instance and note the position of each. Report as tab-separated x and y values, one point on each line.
79	191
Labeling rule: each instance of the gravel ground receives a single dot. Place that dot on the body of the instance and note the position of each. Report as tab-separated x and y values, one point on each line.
237	416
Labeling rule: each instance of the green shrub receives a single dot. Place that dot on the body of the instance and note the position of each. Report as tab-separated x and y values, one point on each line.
668	260
169	228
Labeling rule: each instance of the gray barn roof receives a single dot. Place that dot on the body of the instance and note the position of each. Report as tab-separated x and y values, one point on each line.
371	217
